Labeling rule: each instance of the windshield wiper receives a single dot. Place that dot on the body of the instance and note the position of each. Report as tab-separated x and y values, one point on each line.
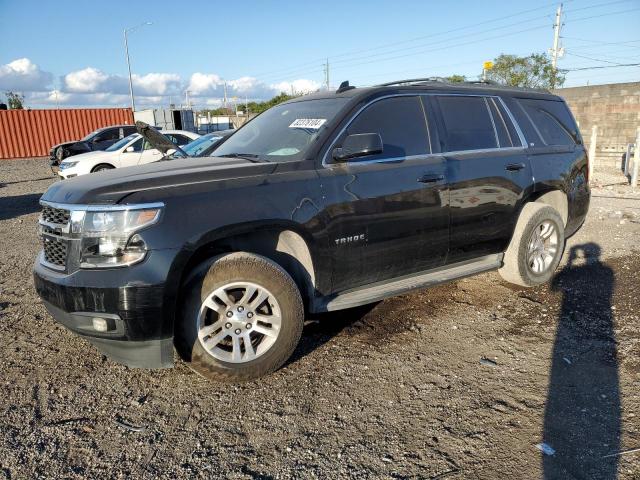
252	157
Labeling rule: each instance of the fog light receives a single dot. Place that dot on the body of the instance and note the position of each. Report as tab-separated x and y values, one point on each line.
100	324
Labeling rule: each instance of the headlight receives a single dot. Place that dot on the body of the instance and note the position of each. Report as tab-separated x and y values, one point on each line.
108	236
65	165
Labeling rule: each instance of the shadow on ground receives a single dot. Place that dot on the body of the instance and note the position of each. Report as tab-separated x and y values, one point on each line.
582	416
12	207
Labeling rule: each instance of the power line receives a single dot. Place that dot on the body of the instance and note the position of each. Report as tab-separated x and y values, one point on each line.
387	45
594	59
445	43
597	5
602	66
598	42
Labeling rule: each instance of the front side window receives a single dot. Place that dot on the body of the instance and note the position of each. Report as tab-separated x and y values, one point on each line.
118	145
400	121
107	135
466	124
284	132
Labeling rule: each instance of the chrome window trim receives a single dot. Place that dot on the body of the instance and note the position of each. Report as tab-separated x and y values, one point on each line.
504	123
523	142
426	121
493	122
101	207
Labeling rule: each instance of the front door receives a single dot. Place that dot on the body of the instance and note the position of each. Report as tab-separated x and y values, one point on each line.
149	154
387	214
130	155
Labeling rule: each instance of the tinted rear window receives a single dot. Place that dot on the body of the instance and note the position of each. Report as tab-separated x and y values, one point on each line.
466	124
552	121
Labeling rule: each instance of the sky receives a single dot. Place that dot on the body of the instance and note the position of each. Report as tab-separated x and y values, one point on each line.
71	52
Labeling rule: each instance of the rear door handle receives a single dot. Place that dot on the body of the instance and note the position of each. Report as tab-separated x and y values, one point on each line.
514	167
429	178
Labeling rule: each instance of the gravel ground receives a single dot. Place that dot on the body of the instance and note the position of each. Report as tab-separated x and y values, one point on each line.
465	380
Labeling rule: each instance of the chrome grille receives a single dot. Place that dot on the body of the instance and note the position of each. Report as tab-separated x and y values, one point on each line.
55	250
54	224
55	215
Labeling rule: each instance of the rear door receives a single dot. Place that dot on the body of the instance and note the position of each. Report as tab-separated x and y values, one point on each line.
487	169
387	214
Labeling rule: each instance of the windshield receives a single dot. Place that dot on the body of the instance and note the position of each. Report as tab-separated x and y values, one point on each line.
121	143
282	133
199	145
89	136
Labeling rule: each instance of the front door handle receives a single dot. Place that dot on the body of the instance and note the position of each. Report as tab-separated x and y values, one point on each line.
514	167
429	178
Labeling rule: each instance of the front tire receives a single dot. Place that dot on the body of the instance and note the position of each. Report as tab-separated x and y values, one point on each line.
536	247
102	167
242	318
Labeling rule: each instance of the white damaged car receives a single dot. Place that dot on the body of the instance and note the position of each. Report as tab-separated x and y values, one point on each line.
130	151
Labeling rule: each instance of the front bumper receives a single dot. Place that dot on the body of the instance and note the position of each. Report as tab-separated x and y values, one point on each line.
54	164
133	302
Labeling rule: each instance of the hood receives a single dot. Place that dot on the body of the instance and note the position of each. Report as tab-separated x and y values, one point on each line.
89	156
112	186
156	139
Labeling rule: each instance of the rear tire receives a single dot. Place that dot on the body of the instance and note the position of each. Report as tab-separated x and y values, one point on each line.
536	247
102	167
242	318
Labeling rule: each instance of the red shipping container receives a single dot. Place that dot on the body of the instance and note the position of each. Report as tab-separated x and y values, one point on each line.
31	133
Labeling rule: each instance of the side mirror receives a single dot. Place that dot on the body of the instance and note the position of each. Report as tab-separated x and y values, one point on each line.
171	151
358	145
129	149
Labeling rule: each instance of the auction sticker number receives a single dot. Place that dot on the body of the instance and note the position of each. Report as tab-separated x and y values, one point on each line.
312	123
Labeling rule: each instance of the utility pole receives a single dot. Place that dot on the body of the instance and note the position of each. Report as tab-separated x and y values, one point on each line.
126	51
225	95
557	51
326	74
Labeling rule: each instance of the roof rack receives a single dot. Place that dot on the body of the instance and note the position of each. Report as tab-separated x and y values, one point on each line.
490	83
414	81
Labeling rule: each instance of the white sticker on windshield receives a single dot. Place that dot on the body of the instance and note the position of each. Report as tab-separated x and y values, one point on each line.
312	123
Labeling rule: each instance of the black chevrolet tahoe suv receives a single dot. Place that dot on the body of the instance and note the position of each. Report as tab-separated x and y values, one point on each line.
325	202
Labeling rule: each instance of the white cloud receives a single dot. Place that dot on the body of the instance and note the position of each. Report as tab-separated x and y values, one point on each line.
212	85
92	80
301	85
92	86
24	76
202	84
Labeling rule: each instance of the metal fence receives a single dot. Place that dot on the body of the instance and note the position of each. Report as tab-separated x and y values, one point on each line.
31	133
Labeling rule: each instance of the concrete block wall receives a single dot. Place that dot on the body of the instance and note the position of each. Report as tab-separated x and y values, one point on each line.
614	108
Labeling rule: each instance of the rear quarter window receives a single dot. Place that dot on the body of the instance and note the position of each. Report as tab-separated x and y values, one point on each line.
552	121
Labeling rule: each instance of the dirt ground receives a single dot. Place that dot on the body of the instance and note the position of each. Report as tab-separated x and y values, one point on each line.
465	380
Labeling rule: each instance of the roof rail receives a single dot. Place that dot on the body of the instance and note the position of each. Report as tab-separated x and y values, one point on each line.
489	83
413	80
484	82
